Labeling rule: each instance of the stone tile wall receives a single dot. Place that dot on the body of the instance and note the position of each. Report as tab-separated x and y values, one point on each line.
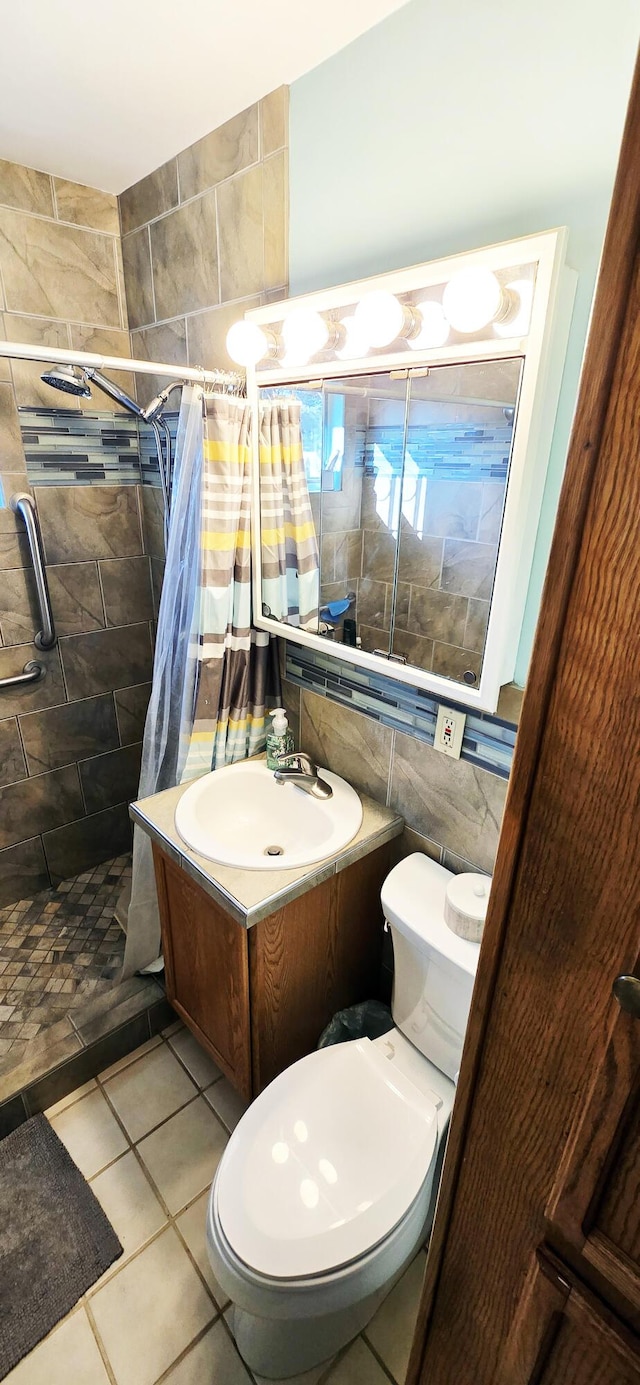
70	745
205	238
61	284
453	808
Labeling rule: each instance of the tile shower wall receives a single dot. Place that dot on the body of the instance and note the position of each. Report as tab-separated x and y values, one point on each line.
70	745
205	238
61	284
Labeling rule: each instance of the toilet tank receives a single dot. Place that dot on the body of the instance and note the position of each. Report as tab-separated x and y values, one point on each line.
434	969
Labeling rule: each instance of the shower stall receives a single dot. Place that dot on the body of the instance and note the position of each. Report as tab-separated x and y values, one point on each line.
76	602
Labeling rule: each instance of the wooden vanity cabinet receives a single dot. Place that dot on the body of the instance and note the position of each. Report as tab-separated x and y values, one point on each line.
258	998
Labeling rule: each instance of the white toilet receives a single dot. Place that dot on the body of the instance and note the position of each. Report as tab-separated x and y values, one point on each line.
327	1187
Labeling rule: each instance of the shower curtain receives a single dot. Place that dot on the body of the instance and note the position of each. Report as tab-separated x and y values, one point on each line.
213	673
289	547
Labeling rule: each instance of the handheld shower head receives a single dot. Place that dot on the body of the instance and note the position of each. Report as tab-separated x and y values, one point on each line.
113	391
68	378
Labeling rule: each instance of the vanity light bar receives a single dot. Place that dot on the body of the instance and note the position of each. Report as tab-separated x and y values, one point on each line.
472	299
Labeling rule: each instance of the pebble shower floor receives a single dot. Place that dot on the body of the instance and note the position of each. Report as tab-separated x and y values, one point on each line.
58	950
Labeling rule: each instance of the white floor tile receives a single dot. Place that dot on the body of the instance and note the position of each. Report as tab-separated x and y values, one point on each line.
148	1313
195	1058
391	1330
227	1102
358	1367
70	1099
148	1091
191	1225
130	1204
129	1058
68	1356
183	1155
91	1133
213	1361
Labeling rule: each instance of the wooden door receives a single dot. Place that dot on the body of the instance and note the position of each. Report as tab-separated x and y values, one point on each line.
532	1275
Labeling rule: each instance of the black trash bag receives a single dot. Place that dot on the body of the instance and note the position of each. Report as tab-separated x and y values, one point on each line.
368	1020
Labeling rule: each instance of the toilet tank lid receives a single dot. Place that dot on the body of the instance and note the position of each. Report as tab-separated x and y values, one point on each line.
413	896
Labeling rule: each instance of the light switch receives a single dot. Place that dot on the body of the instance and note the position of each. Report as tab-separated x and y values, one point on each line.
449	731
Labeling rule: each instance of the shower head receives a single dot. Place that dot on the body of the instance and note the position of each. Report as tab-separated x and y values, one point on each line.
68	378
73	379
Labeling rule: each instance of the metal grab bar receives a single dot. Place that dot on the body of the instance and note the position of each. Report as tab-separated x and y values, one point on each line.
31	673
44	638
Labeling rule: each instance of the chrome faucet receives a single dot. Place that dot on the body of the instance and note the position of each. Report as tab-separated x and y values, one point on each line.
299	769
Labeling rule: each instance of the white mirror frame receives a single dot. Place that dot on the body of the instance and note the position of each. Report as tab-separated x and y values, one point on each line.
542	351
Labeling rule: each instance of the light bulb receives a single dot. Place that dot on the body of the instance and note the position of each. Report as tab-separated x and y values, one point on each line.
516	323
355	344
472	299
379	317
247	343
304	333
434	328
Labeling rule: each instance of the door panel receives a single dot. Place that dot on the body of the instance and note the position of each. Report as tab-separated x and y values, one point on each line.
543	1142
585	1344
594	1207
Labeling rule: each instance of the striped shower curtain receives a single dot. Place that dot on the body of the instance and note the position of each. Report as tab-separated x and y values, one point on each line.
232	659
289	547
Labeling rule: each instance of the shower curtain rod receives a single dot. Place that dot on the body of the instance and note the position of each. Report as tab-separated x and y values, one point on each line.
60	356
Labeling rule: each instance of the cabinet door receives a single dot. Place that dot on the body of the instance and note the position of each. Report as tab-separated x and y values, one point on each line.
206	965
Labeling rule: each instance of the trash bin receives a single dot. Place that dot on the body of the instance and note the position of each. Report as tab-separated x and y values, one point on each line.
368	1020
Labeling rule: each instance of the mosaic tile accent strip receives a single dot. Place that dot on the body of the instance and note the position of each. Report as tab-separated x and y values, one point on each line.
72	447
488	740
58	950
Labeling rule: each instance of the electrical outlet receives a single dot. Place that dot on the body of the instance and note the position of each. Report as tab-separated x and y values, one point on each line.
449	731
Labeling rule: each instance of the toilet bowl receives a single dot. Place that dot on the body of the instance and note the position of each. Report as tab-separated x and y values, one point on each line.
327	1187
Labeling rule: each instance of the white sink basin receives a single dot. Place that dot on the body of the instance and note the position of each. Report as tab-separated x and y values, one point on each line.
239	815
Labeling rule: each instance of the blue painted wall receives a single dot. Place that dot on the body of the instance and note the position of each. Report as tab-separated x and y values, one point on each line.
450	126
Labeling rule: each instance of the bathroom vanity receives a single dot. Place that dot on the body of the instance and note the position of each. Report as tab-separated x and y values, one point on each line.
258	961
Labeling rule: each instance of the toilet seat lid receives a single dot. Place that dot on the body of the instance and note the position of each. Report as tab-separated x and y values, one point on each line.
325	1162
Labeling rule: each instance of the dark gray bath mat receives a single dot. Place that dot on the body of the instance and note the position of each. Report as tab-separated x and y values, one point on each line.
55	1240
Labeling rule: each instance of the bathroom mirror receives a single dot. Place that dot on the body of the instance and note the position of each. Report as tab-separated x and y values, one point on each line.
407	480
397	494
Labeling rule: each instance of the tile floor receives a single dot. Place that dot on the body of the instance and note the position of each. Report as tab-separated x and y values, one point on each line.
148	1135
58	950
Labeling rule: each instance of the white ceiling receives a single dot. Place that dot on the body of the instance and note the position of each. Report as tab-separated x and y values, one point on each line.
102	93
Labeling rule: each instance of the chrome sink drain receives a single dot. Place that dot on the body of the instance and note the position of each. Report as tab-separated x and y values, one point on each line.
274	851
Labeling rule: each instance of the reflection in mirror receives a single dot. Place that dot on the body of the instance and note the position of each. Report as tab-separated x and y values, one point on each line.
290	442
382	499
454	484
361	509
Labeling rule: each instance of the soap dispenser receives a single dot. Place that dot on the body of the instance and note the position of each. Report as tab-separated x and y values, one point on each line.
280	739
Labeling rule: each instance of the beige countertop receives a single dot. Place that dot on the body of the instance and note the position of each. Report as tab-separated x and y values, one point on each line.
251	895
